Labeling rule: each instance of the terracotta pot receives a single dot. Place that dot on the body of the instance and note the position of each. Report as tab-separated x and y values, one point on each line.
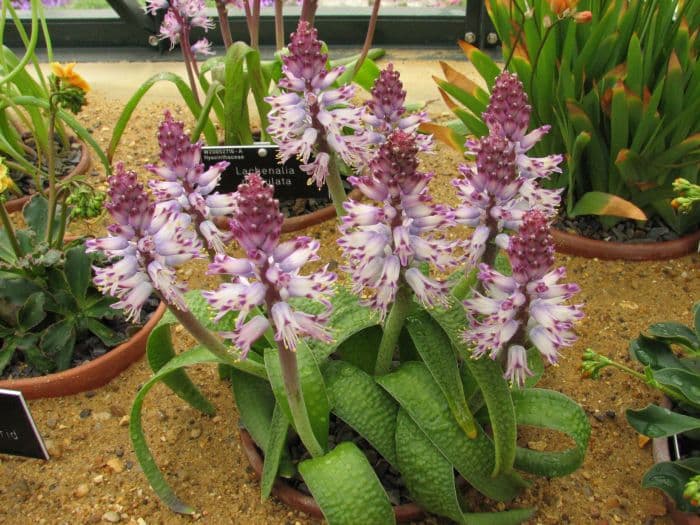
662	452
82	167
92	374
573	244
303	502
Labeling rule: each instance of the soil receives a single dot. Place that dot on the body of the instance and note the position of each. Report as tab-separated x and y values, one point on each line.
93	476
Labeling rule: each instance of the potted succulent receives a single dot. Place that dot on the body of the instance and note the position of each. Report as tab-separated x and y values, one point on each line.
417	365
227	82
51	316
620	117
33	127
669	352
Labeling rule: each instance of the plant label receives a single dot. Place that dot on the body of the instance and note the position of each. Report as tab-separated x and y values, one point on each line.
289	181
18	433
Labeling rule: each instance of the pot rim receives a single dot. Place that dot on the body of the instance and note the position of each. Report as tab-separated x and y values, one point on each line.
14	205
303	502
574	244
93	374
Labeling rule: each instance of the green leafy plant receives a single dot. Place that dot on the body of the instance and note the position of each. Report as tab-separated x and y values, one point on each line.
227	81
30	106
670	354
47	300
627	118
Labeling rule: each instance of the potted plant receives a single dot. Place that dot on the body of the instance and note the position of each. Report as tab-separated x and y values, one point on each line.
50	313
619	116
33	127
225	84
418	366
669	353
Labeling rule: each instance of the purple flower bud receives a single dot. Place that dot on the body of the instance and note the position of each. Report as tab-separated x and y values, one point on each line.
508	110
531	250
305	59
258	224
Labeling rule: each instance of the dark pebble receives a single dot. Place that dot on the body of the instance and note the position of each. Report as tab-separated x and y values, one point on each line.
85	412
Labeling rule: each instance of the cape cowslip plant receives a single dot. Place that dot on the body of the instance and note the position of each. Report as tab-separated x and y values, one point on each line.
393	358
47	302
625	118
669	352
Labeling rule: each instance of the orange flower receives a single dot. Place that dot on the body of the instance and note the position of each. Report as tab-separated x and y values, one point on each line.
561	6
66	74
583	17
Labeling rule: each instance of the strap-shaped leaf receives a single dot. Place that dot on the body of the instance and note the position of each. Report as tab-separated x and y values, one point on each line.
435	350
313	389
683	381
361	348
671	477
78	270
347	488
430	478
32	312
255	403
552	410
417	393
236	123
363	405
273	450
653	353
655	421
195	356
489	377
130	106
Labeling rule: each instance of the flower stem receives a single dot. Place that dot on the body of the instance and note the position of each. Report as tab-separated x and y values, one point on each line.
208	339
51	161
223	23
62	222
335	185
392	330
9	229
292	387
279	25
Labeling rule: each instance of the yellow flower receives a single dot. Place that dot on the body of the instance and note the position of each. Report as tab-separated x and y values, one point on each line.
6	182
66	74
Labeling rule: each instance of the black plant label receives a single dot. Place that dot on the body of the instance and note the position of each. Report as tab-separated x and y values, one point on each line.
289	181
18	433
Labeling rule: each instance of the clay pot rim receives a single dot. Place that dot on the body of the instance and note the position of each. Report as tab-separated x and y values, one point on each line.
662	452
303	502
574	244
14	205
93	374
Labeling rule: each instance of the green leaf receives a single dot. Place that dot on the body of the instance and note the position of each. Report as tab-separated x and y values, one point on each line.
696	317
683	381
435	349
489	377
198	355
186	94
315	397
273	450
359	401
6	352
536	366
255	404
678	333
430	478
653	353
655	421
600	203
487	68
416	391
108	336
348	318
100	306
361	348
365	77
58	341
236	123
35	213
671	477
32	312
78	270
551	410
17	289
346	488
